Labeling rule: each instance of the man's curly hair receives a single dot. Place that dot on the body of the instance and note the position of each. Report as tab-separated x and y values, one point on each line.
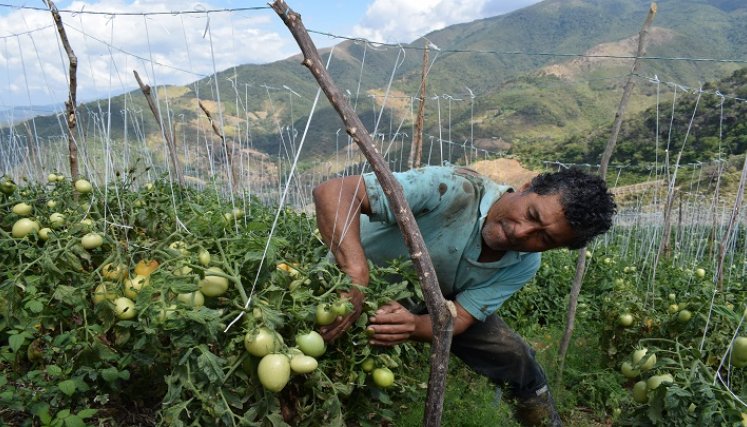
587	204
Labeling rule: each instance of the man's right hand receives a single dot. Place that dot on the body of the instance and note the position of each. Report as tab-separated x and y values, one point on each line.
342	323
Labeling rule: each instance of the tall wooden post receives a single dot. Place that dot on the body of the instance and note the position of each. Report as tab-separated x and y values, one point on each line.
70	104
416	149
441	316
166	134
606	156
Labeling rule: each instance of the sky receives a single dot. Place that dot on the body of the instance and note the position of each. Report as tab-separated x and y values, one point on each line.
185	42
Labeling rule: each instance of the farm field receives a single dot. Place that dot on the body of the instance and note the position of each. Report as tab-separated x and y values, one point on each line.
140	303
160	263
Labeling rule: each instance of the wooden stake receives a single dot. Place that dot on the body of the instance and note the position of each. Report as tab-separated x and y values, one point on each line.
229	153
167	135
606	156
416	150
71	102
443	322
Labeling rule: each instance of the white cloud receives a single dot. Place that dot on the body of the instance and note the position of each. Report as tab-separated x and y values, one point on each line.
184	47
405	20
33	65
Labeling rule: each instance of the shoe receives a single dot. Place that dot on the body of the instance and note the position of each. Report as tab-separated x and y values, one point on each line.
538	410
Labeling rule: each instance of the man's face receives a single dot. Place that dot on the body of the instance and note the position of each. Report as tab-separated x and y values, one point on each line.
527	222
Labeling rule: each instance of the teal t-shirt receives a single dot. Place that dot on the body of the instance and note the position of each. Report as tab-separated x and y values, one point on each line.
450	205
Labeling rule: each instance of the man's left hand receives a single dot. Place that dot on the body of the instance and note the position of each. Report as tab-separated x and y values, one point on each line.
391	324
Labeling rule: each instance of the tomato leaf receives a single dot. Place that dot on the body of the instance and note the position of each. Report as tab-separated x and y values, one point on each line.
67	387
66	294
35	306
183	287
276	420
16	341
110	374
54	370
86	413
41	410
210	364
74	421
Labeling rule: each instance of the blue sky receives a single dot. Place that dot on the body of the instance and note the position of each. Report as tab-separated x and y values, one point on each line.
181	47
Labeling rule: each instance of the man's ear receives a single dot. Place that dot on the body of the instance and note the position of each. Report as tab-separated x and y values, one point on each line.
524	187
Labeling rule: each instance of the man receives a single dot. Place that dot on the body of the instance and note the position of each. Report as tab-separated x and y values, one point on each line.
484	240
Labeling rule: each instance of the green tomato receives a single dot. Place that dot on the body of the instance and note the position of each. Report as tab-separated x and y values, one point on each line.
134	285
204	257
643	359
625	320
739	351
274	371
213	285
368	365
22	209
91	241
180	247
628	370
57	219
114	272
103	292
124	308
383	377
303	364
700	273
655	381
44	233
673	308
193	299
324	315
311	343
341	307
7	186
684	316
648	362
640	392
23	227
167	313
83	186
262	342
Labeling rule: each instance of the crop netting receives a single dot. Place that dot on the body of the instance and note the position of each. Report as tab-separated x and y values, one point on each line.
253	135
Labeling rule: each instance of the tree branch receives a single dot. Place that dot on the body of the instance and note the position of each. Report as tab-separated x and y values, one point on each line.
606	156
73	84
442	320
167	135
229	153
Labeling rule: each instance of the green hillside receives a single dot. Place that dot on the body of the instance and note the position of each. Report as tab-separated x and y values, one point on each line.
527	92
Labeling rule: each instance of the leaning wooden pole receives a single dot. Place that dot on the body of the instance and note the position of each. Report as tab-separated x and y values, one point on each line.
441	316
416	150
71	102
167	135
606	156
229	153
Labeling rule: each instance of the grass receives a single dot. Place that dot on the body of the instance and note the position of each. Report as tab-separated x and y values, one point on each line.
470	399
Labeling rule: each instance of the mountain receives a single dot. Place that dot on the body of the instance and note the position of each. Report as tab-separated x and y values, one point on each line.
12	115
539	76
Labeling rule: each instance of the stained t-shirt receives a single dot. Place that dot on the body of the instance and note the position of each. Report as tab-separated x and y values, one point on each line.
450	205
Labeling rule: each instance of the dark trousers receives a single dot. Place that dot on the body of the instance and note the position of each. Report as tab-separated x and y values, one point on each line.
493	349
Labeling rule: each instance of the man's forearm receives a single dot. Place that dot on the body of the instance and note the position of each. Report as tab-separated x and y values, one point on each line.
339	204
